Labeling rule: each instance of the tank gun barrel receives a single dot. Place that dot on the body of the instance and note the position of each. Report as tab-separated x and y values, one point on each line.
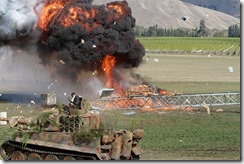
13	121
4	119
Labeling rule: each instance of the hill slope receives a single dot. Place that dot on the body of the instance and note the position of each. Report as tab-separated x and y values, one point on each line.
168	13
231	7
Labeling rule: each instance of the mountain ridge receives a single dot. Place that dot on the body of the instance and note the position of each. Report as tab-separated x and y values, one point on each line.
231	7
168	14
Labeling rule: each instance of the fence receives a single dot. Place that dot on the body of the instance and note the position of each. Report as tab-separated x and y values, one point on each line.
157	101
196	52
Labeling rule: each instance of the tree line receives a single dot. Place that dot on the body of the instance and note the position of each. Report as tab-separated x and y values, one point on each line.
201	31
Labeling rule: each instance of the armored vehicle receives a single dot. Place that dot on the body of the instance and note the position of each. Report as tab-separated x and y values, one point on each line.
69	134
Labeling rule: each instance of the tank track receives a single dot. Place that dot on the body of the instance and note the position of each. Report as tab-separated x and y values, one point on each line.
18	146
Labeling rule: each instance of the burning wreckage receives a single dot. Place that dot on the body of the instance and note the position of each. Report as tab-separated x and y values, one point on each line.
144	97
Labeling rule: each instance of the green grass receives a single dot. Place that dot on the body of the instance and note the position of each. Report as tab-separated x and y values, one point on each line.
199	87
190	43
192	131
15	110
198	135
180	130
190	135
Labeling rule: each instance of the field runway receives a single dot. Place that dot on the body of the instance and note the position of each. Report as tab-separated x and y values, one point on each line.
191	68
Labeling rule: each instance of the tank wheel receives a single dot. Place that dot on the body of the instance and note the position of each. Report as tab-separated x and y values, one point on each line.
51	157
80	158
123	158
67	158
135	157
34	156
4	154
17	155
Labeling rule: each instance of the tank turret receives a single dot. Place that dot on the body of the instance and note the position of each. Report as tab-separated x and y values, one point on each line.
69	134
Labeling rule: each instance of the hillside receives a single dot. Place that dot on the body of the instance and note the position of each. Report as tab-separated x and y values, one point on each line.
231	7
168	13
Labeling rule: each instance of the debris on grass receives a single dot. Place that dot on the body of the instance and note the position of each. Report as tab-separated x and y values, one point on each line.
156	60
129	113
192	109
231	69
219	110
161	112
207	108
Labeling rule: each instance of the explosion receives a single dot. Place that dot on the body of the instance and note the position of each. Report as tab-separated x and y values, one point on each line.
73	38
79	42
87	37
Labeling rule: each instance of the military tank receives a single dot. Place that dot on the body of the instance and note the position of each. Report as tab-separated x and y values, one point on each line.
69	134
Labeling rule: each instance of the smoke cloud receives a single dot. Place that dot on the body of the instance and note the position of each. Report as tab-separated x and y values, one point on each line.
71	39
17	18
82	34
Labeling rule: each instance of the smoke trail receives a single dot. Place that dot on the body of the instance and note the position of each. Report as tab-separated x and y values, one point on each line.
17	18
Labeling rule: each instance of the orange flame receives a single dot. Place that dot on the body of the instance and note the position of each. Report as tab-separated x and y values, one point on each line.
118	8
49	11
55	10
77	15
164	92
108	64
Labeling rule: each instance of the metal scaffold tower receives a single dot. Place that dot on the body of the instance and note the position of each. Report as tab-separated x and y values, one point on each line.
157	101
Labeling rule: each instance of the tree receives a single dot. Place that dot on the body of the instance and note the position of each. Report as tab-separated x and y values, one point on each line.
234	31
152	30
219	32
139	30
203	30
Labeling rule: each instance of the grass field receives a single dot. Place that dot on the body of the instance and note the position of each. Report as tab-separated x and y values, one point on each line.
199	87
190	43
193	136
195	68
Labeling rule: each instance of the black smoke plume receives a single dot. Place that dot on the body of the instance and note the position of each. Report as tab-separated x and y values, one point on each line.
83	44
